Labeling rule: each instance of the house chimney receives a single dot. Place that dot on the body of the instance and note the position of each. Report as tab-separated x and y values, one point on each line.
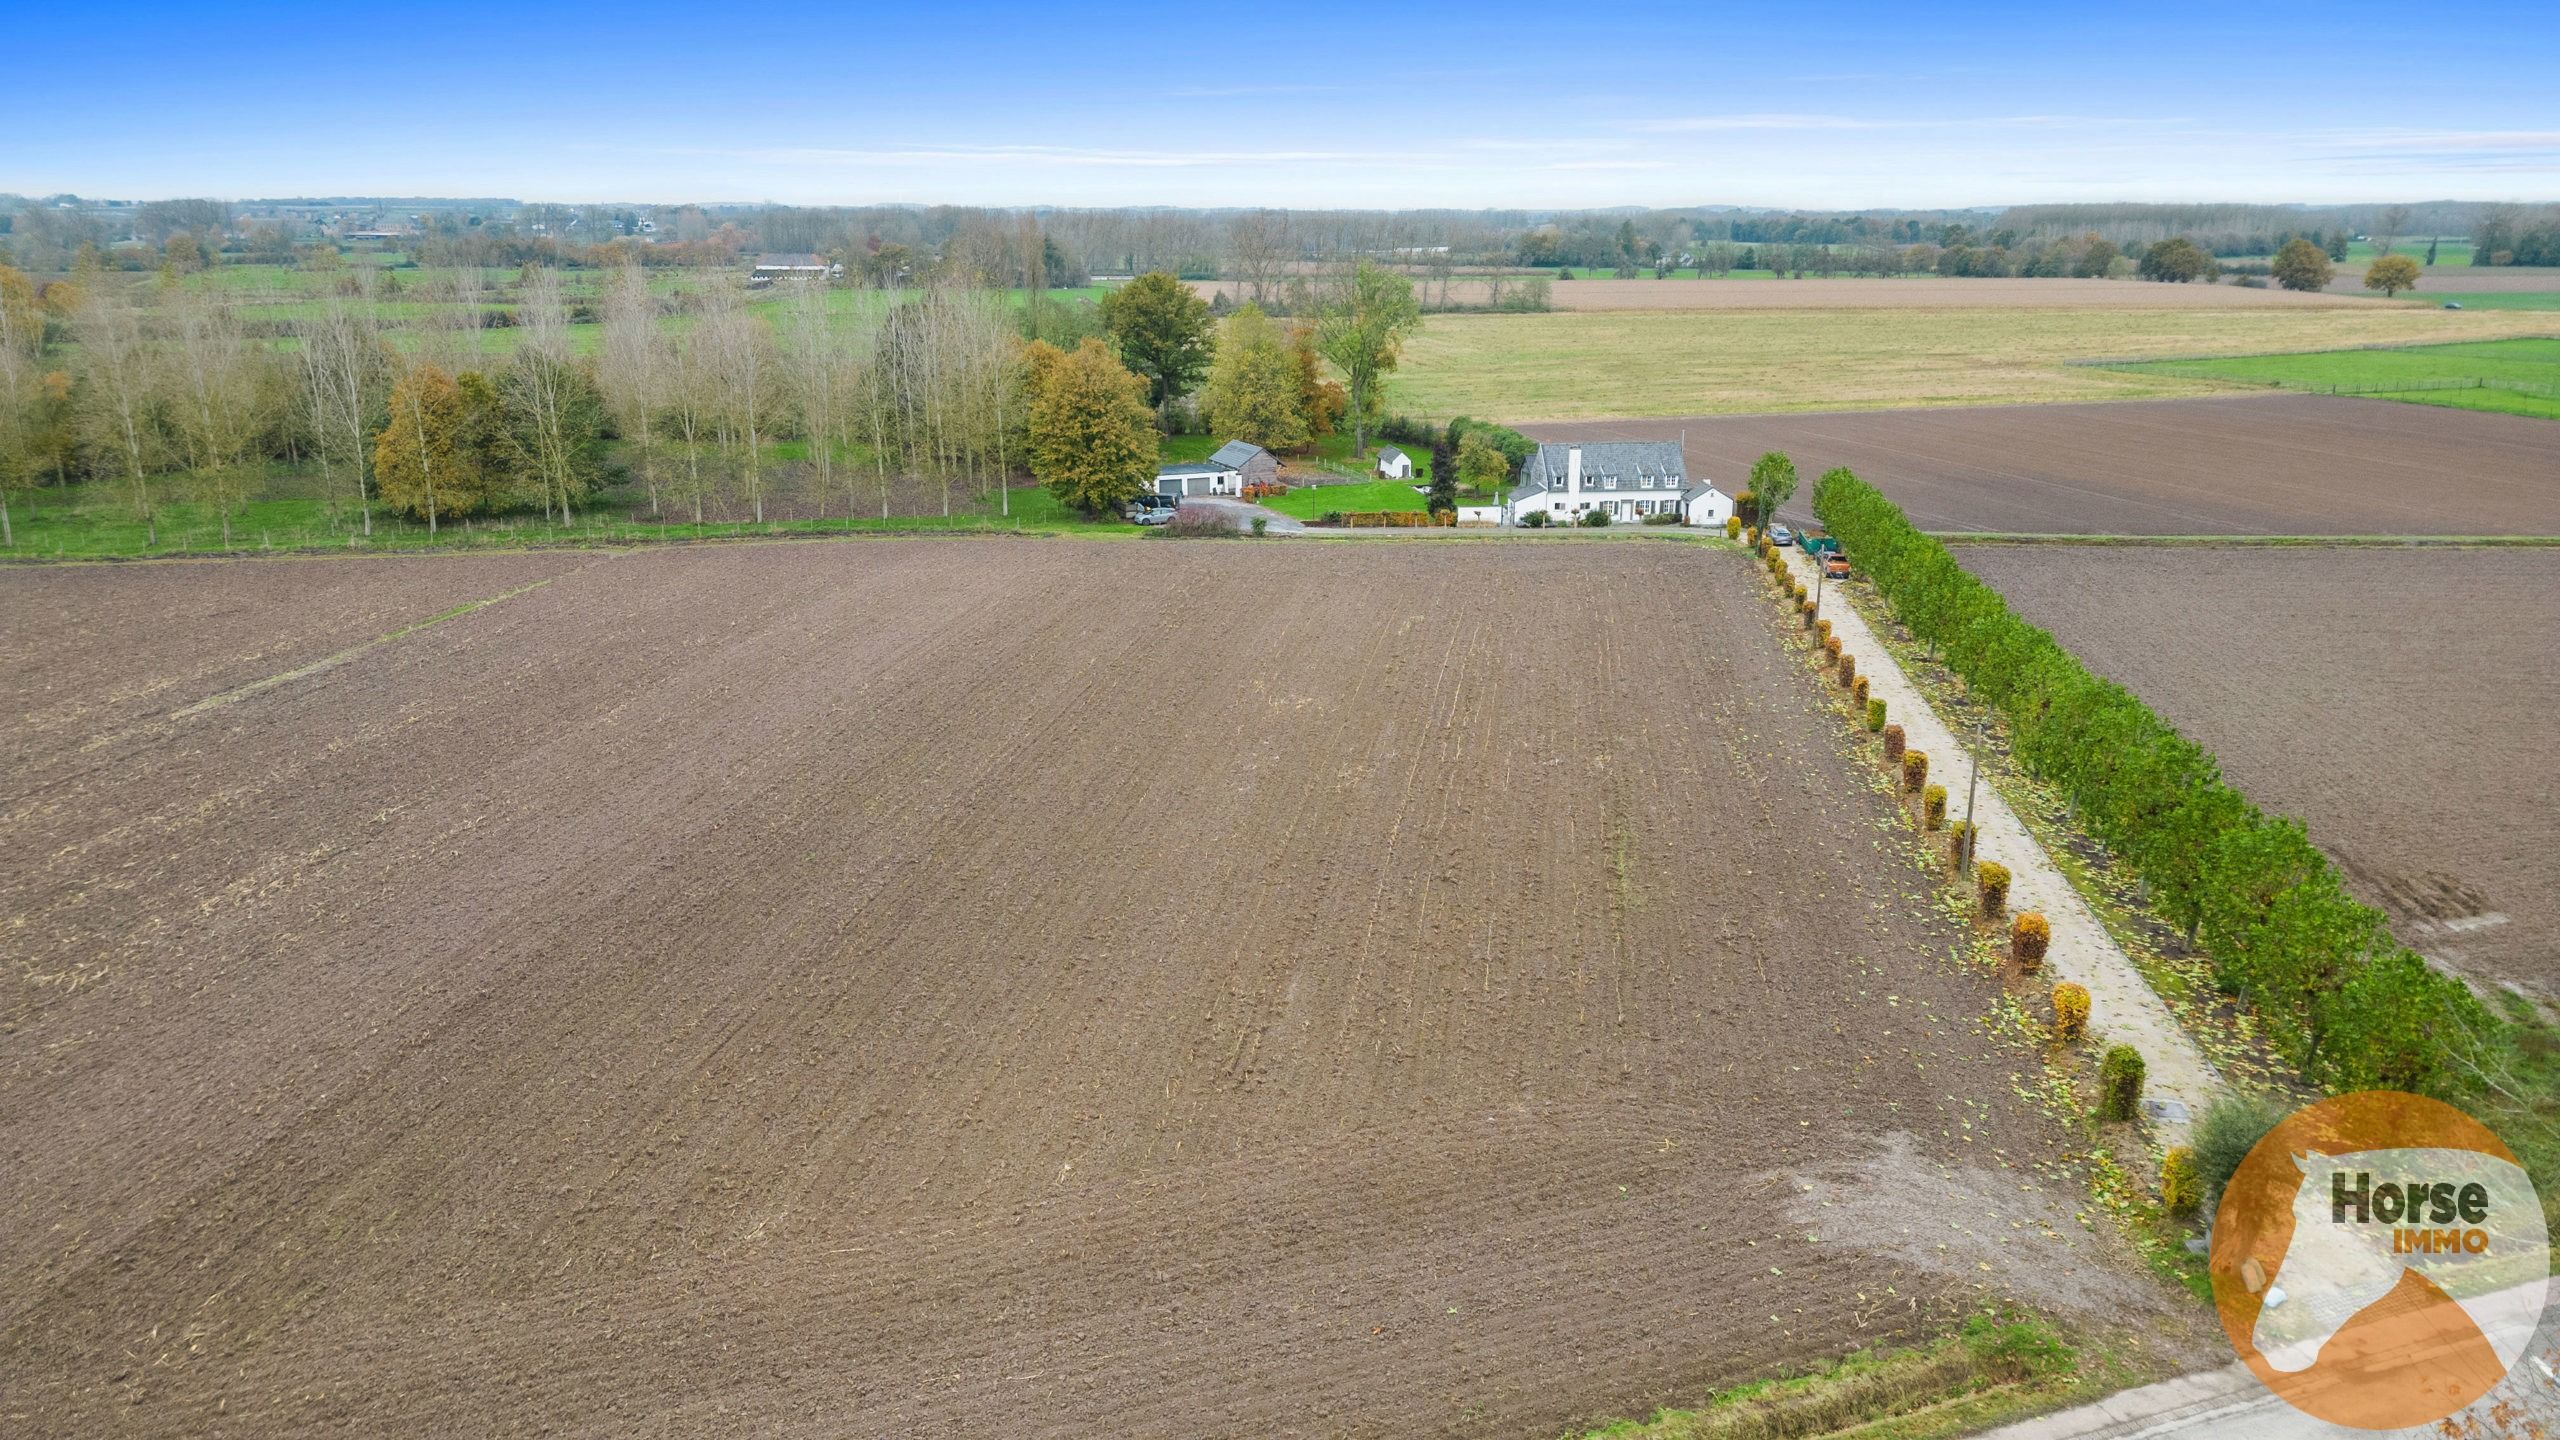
1573	471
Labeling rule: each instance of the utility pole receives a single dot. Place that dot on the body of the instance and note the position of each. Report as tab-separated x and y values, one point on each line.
1972	836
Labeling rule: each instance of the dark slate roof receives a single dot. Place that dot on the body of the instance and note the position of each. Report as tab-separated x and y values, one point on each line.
1386	450
1236	454
1609	466
793	262
1192	467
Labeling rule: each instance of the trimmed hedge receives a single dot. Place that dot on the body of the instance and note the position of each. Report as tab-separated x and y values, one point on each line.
2347	1005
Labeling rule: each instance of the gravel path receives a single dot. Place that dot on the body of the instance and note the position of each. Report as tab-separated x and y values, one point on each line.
2122	1007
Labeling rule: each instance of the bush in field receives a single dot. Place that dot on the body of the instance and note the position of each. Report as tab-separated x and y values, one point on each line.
1594	520
1915	770
1200	522
2181	1189
1892	741
2070	1010
1822	628
1858	694
1534	520
1959	844
1848	668
2029	934
1875	715
1992	879
2225	1133
1733	527
1933	807
2120	1083
1831	648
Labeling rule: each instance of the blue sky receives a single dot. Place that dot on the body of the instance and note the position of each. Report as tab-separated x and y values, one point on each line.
1319	104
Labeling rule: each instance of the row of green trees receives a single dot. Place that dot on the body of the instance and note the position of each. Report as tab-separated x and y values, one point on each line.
2342	1001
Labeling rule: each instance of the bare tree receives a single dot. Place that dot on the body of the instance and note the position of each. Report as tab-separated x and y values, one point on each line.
2387	231
739	351
636	370
21	339
345	374
120	361
816	366
213	400
537	388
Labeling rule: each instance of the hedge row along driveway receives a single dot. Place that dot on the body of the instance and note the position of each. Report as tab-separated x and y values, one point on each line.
2342	1000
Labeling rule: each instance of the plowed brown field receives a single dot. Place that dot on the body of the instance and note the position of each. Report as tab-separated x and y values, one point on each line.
2397	701
2245	465
967	988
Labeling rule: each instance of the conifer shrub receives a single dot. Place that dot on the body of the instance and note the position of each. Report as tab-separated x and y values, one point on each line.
1992	878
1915	770
2029	934
1875	714
1858	694
1848	668
2070	1010
1933	807
1892	740
2181	1188
2120	1083
1822	628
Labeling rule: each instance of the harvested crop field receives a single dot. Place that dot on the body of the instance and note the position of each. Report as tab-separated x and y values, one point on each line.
2397	701
2265	464
972	987
1522	369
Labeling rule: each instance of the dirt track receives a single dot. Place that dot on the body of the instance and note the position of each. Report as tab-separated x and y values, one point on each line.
2242	465
968	988
2397	701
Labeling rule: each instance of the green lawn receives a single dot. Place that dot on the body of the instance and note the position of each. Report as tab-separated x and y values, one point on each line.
1332	453
1311	502
2431	373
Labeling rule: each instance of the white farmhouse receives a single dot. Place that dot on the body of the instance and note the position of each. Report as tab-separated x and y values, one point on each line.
1629	479
1394	464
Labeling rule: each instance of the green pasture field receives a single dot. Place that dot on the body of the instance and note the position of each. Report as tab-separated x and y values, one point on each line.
2542	300
298	510
2424	374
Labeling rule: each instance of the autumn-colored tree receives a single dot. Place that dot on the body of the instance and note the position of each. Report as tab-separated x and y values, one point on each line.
1361	328
1482	467
2176	261
1161	328
1253	391
2301	265
2392	274
1093	440
414	458
182	255
1320	400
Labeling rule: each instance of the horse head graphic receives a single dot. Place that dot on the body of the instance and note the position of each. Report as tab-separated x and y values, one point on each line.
2468	1222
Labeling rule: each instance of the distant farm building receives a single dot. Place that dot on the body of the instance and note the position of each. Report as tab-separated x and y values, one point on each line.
1394	464
770	268
1628	479
1236	464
